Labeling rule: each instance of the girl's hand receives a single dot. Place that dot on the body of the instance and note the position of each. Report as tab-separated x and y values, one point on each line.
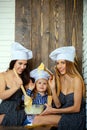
30	85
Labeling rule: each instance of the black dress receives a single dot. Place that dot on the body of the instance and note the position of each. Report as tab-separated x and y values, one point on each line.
72	121
14	116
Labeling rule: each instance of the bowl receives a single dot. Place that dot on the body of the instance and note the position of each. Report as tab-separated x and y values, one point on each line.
34	109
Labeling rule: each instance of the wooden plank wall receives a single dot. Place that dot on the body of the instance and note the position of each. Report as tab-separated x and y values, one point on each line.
74	20
43	25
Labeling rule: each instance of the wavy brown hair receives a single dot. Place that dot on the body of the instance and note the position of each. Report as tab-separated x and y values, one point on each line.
72	71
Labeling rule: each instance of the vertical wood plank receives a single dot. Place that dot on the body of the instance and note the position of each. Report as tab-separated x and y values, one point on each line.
36	28
45	36
74	20
23	22
57	25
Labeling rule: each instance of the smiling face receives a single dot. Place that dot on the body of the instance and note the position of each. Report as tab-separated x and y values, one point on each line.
61	66
41	86
20	66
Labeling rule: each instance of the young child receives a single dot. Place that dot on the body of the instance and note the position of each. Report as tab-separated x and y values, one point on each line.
39	91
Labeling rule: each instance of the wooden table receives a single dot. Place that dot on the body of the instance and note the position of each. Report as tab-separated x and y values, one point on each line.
44	127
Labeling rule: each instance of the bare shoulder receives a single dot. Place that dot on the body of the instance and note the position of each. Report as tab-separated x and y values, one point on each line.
2	76
77	79
77	82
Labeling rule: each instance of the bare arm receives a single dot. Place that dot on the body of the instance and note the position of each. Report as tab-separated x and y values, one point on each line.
77	101
53	90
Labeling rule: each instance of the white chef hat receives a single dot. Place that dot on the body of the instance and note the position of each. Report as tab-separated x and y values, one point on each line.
39	74
19	52
63	53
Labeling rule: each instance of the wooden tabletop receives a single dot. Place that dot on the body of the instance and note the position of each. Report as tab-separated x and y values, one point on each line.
44	127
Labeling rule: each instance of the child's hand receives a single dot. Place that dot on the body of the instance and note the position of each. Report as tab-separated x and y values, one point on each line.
31	85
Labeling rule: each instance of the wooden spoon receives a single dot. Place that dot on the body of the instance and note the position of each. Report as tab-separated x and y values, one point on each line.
49	100
27	99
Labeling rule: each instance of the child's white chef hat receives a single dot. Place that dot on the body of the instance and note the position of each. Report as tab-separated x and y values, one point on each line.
39	74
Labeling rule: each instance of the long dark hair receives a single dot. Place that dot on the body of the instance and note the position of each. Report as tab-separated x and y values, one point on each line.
25	75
